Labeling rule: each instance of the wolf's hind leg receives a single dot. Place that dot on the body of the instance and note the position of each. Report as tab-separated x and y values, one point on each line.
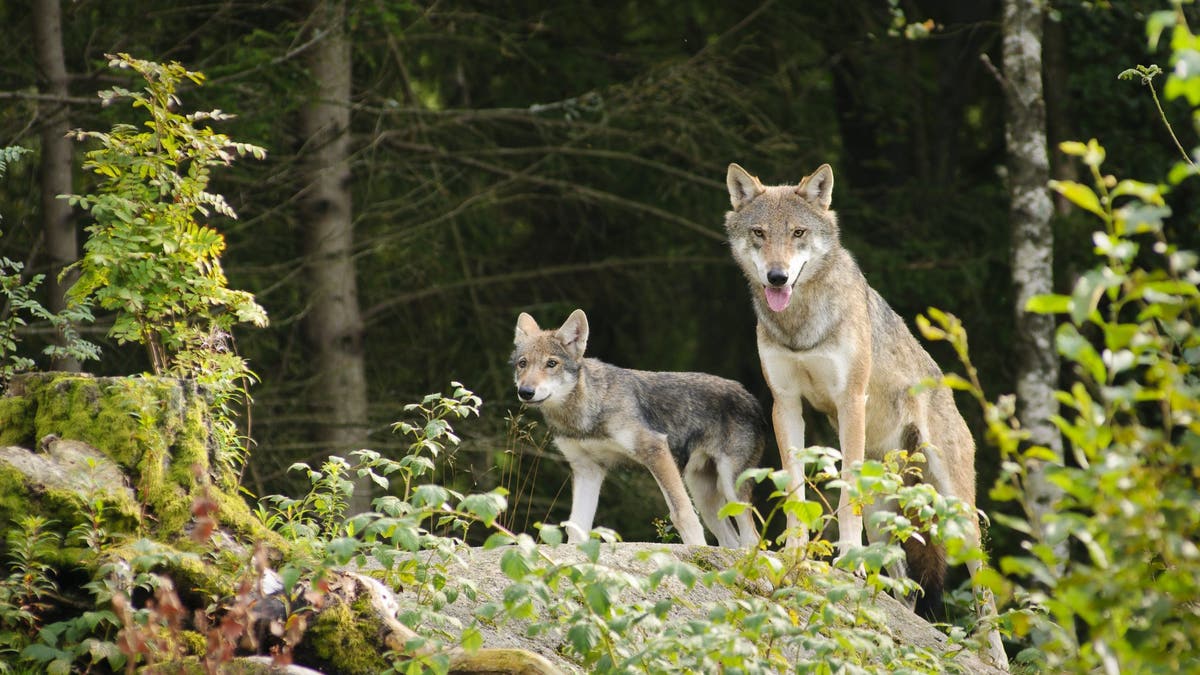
876	535
701	477
727	472
657	458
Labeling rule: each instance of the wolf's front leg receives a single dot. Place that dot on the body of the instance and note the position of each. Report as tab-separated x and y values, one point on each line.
787	414
852	434
788	417
586	479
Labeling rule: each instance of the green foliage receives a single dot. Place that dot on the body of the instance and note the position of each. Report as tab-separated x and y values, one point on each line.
8	155
786	612
24	592
20	304
150	255
1125	600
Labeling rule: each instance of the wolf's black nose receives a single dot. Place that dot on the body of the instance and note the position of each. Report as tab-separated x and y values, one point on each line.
777	277
525	393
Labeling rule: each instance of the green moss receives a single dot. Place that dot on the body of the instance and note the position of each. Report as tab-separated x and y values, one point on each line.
235	515
345	639
194	643
156	430
64	507
16	421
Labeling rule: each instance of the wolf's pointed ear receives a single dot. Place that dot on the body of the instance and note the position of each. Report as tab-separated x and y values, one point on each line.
526	326
743	187
817	187
574	333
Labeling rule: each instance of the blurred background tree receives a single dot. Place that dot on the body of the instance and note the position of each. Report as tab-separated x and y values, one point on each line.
542	156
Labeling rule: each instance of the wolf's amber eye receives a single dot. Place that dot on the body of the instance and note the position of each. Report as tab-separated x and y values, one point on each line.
758	232
551	363
798	232
522	363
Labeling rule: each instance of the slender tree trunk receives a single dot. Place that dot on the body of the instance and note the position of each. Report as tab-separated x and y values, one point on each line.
58	226
1032	238
334	322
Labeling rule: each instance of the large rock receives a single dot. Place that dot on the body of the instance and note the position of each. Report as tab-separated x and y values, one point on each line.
482	567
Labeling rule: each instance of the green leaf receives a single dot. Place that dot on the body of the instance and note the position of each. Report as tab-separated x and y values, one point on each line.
513	565
808	513
1073	148
550	534
1078	349
583	638
597	596
733	509
498	539
472	639
1079	195
485	507
591	549
1048	304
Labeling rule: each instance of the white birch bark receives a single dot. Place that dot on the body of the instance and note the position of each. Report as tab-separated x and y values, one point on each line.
1030	213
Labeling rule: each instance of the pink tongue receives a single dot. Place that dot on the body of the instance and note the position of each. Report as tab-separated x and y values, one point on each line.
778	298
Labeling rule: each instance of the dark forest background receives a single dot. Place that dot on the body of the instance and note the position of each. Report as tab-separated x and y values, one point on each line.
543	156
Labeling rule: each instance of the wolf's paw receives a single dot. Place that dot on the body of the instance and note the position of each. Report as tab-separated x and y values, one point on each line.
575	534
845	561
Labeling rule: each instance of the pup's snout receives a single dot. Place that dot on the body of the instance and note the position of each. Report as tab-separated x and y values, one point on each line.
525	393
776	276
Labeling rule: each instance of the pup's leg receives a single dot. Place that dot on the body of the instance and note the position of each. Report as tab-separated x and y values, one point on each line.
586	478
700	475
657	457
727	472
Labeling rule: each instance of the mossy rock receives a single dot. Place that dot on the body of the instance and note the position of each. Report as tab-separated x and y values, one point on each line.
344	640
154	430
62	479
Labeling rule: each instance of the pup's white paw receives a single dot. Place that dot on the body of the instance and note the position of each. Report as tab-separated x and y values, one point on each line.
844	549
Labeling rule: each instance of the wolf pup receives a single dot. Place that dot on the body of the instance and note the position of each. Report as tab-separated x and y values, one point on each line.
601	415
827	338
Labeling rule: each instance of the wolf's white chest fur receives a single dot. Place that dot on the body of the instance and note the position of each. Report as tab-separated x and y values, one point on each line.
818	375
617	448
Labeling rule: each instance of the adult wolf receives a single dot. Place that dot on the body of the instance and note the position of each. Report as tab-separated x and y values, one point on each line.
827	338
602	415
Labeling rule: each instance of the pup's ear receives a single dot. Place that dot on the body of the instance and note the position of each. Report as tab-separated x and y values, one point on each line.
574	333
817	187
526	326
743	187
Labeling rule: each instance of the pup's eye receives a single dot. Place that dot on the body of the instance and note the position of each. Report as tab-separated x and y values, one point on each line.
798	232
521	363
551	363
758	232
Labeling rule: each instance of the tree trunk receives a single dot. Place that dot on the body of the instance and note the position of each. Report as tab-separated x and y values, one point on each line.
58	227
1032	239
334	323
